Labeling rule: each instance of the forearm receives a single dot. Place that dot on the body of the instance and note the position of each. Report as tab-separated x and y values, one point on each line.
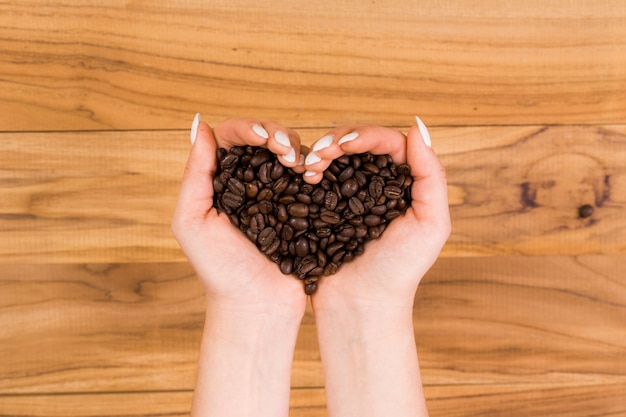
370	364
245	364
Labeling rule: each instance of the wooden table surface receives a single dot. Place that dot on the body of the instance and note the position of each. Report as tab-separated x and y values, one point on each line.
525	312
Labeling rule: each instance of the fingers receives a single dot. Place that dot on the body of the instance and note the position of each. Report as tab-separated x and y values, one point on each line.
196	192
353	140
282	141
429	189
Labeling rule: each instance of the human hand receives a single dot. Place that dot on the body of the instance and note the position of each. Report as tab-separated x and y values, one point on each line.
234	273
389	271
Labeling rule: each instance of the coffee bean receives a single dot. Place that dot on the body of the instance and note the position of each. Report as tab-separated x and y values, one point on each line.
257	223
298	210
299	223
310	288
330	200
260	157
265	172
330	217
266	236
356	206
349	188
310	229
302	246
287	232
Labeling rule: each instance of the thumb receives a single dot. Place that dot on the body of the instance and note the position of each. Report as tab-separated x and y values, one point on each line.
196	193
429	189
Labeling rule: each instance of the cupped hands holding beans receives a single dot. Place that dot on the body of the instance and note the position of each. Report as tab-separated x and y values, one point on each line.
308	213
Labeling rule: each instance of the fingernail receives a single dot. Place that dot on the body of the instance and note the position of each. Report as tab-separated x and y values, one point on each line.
423	131
194	128
348	138
290	156
324	142
282	138
309	173
301	159
312	158
258	129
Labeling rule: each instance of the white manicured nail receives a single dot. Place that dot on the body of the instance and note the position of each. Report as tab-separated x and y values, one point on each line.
423	131
312	158
258	129
309	173
194	128
290	156
282	138
301	159
324	142
348	138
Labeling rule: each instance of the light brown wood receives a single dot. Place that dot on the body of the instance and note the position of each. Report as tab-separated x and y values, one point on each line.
149	65
524	314
522	321
109	196
447	401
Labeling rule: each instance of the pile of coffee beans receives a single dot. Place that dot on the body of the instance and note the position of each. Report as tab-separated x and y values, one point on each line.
310	230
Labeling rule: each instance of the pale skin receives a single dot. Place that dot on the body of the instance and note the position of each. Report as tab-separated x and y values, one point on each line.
363	312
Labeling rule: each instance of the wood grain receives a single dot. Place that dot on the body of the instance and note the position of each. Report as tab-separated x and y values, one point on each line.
147	65
109	196
458	401
544	321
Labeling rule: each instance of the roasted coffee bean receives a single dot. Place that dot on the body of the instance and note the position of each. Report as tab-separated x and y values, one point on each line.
277	171
266	236
265	194
372	220
266	206
272	247
257	223
349	188
299	223
346	174
376	187
286	265
310	288
318	196
304	198
280	185
302	246
356	206
392	192
330	217
334	247
298	210
281	213
379	210
265	172
260	157
310	229
252	190
330	200
248	174
287	232
231	200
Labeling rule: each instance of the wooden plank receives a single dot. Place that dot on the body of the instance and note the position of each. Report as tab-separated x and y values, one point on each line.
109	196
556	321
145	65
603	400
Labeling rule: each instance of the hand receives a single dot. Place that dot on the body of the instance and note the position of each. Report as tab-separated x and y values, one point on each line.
233	271
364	311
392	266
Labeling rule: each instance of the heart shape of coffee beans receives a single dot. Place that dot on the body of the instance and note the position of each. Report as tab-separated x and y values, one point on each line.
310	230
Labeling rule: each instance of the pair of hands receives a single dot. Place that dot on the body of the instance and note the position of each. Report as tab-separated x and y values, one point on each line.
236	275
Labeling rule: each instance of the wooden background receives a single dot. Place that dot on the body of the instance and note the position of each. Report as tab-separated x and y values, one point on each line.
523	315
